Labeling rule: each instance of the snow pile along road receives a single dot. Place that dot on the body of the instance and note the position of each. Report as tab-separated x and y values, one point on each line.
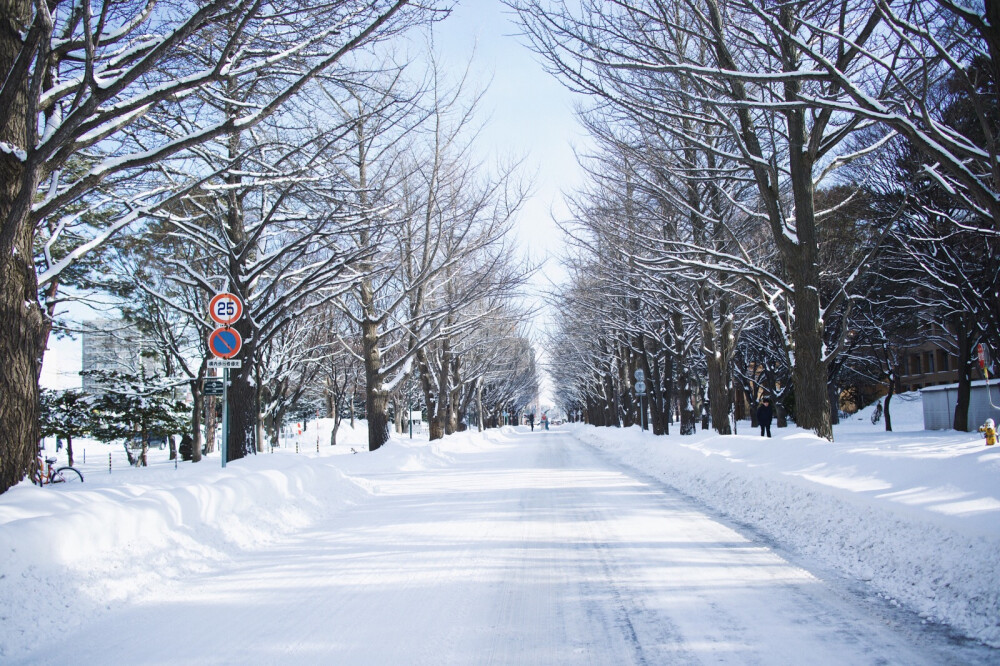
67	552
914	514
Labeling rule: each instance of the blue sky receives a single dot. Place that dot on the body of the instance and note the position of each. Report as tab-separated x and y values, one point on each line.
530	113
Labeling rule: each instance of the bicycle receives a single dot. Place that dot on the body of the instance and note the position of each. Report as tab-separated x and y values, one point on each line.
47	475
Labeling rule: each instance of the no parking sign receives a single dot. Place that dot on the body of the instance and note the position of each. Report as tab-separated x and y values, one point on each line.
225	342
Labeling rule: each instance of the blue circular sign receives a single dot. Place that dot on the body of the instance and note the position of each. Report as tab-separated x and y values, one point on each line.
225	342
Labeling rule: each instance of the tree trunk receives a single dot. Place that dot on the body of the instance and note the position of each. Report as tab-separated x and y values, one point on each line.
809	374
336	427
611	403
686	396
22	324
479	403
377	405
198	407
259	437
801	259
781	414
961	420
350	406
376	397
435	428
654	390
833	399
21	330
211	422
885	409
243	396
688	416
718	394
454	396
668	392
69	449
592	412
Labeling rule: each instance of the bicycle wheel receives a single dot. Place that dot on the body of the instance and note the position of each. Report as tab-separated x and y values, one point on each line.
67	475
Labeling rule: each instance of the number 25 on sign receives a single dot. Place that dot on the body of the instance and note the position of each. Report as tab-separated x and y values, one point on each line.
225	309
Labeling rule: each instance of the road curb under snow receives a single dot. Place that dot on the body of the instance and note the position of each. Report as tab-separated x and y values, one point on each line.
939	572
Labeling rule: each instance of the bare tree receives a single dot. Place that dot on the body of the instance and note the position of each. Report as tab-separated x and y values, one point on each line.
436	211
79	82
744	71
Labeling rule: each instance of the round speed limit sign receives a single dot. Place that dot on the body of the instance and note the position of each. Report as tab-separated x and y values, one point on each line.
225	309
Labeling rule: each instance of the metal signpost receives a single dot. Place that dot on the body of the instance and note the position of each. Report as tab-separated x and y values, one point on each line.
225	309
640	390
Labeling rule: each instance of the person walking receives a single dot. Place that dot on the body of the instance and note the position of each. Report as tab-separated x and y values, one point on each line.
531	421
764	415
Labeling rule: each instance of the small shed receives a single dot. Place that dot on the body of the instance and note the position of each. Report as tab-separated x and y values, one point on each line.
939	404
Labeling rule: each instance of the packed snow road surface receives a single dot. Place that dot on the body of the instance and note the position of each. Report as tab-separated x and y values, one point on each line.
531	549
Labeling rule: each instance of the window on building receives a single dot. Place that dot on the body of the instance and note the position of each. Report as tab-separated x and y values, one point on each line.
929	362
942	360
914	364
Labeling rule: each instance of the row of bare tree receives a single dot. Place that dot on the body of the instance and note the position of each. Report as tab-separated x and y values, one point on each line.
746	177
274	149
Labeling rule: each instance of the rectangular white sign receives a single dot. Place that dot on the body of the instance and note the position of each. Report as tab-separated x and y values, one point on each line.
225	363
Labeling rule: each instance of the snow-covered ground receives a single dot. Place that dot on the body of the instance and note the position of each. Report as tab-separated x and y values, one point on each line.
913	513
907	518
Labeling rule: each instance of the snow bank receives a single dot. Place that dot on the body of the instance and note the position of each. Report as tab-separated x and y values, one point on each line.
67	552
915	515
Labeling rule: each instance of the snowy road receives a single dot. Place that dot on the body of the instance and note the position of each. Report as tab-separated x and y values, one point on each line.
533	550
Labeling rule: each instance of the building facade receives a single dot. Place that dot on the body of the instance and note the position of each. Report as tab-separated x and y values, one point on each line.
111	346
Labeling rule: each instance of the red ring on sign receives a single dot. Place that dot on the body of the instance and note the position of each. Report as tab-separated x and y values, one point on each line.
225	342
225	308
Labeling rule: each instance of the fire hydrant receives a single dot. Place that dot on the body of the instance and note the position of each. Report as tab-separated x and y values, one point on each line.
989	430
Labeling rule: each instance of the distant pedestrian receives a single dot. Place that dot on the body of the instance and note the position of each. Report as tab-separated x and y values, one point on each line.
764	415
545	421
531	421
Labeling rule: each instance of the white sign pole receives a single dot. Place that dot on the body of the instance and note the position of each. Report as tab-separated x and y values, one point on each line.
225	415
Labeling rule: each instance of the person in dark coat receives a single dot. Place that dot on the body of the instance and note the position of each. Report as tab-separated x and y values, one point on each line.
531	421
764	415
